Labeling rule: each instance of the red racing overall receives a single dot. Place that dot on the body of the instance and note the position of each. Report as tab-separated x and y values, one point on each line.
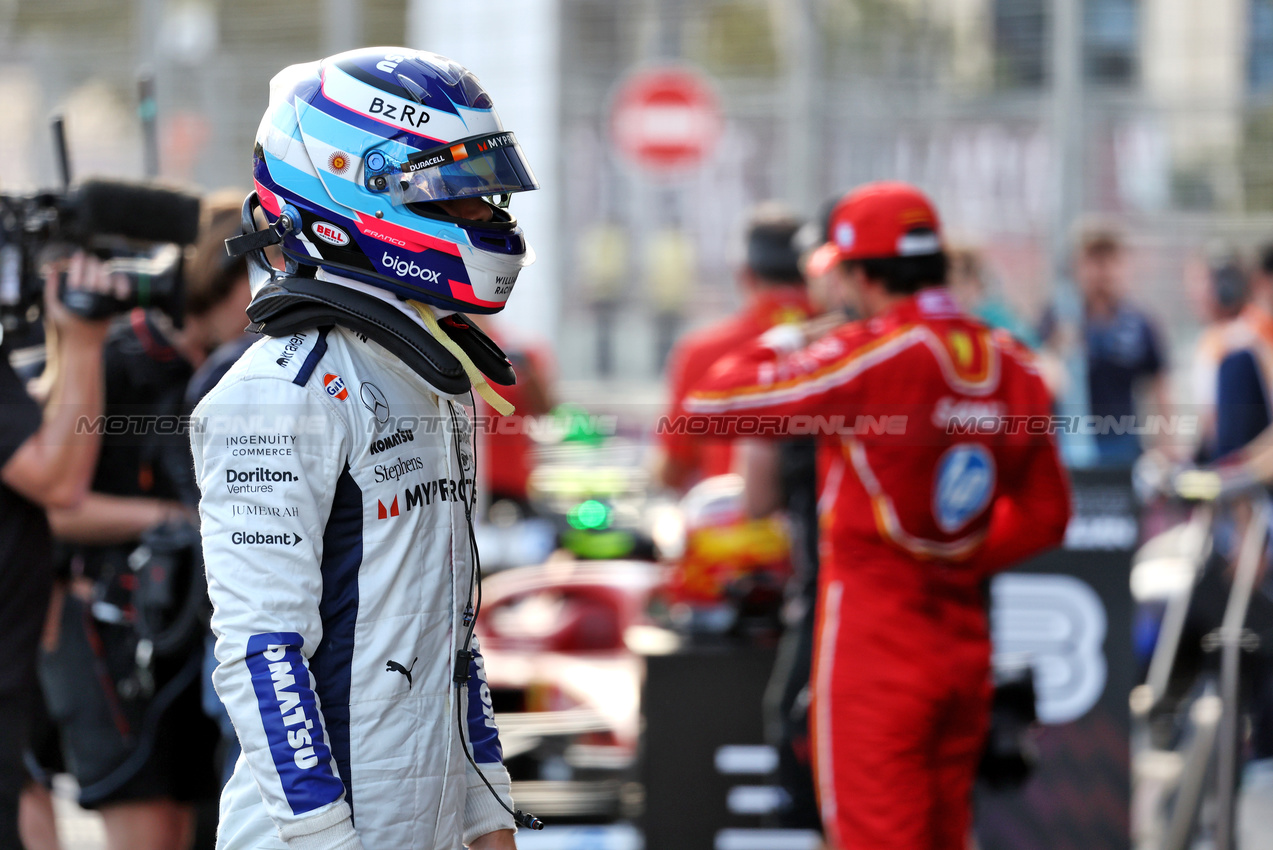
945	473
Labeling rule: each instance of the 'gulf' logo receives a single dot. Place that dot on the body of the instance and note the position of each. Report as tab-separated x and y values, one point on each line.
335	386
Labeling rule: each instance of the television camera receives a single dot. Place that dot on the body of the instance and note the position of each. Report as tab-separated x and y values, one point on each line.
136	228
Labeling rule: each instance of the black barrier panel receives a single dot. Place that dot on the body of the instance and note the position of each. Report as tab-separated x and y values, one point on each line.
1071	612
703	741
707	773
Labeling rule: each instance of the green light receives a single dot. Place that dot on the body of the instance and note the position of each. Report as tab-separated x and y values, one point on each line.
598	545
589	515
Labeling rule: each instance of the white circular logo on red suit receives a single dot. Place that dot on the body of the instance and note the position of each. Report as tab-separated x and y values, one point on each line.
844	235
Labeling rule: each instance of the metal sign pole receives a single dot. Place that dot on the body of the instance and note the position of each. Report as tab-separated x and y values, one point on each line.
1078	449
1232	633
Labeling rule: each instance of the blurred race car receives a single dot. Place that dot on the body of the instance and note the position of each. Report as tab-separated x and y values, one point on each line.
566	683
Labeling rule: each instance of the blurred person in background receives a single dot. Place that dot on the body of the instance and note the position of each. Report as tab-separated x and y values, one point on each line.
1244	440
1242	448
218	292
917	518
819	258
976	291
774	293
1243	413
1221	297
132	729
786	476
1124	354
221	281
46	462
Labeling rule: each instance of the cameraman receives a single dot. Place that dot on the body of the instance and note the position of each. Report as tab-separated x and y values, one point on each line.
45	462
128	707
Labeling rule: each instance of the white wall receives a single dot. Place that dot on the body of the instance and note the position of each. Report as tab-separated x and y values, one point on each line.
513	49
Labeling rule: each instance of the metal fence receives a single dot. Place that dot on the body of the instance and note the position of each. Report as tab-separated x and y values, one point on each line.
1175	124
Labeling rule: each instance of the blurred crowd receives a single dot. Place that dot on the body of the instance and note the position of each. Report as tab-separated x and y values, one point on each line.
1105	362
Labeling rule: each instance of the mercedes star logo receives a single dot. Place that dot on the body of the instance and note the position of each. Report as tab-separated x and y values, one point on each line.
374	400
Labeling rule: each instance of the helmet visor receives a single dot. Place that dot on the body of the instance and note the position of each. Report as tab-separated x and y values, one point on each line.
470	168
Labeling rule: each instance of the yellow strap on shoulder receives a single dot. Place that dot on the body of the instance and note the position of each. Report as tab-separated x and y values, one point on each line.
478	380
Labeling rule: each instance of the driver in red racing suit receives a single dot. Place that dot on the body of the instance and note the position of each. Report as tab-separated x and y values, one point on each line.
944	474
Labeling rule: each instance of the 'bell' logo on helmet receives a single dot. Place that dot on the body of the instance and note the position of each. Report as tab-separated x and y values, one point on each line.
330	233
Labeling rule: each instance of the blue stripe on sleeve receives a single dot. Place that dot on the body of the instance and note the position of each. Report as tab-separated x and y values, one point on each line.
483	735
292	723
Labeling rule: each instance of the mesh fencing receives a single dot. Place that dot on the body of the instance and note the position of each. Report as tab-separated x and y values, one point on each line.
818	95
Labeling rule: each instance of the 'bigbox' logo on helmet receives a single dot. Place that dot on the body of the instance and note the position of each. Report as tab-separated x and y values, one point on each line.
403	268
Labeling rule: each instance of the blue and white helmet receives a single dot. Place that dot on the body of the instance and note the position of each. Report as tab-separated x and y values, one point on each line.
357	148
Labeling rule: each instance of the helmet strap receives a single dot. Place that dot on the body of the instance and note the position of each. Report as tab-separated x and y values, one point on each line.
258	240
494	399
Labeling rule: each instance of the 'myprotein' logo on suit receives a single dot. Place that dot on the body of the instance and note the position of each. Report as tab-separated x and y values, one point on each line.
438	490
426	494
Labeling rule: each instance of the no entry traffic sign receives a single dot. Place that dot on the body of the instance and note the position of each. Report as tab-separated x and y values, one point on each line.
665	120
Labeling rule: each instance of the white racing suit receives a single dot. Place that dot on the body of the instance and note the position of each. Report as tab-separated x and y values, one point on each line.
339	568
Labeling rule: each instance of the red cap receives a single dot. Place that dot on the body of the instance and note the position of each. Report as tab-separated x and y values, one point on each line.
884	219
821	260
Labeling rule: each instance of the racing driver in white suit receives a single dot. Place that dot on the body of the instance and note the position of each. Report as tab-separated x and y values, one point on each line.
337	472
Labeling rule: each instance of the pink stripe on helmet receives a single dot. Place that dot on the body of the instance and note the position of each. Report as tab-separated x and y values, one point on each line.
464	292
404	237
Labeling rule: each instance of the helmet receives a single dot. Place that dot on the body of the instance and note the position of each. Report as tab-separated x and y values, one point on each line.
355	151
